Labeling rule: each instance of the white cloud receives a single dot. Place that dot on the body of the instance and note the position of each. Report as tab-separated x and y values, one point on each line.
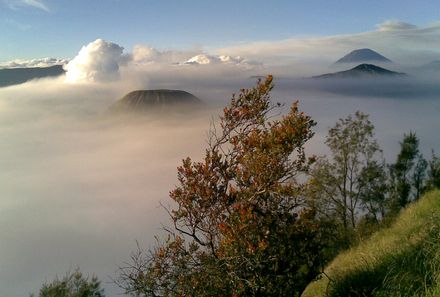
148	55
43	62
102	61
205	59
36	3
229	59
392	25
96	62
403	43
144	54
15	4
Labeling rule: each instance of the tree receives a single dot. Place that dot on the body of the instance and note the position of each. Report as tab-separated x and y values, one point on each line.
373	191
241	227
342	183
433	180
408	173
419	176
73	284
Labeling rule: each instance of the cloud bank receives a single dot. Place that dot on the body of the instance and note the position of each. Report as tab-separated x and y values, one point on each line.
203	59
393	25
401	42
78	187
100	60
103	61
43	62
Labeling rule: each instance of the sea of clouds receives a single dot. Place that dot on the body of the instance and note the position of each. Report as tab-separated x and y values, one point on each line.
79	185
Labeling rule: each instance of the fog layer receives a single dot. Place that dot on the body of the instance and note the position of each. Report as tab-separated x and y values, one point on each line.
79	186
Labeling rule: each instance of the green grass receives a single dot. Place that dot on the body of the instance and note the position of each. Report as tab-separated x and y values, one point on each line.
402	260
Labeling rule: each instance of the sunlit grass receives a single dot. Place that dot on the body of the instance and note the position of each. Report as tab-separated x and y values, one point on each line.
403	260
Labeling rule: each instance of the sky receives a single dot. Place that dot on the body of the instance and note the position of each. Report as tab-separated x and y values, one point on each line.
58	28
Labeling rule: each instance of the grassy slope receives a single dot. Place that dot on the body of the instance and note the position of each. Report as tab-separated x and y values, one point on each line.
403	260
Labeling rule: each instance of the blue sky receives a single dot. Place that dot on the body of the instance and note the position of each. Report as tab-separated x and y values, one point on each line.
58	28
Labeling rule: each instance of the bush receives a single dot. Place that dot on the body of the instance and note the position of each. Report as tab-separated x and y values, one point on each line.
73	284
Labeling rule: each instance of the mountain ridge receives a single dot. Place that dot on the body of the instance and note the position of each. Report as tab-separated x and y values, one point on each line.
16	76
363	55
398	257
361	70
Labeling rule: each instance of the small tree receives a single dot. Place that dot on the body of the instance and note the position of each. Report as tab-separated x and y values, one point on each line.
419	176
73	284
408	173
341	184
373	191
433	180
241	227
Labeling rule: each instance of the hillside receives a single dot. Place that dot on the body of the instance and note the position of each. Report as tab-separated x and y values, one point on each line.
15	76
402	260
362	70
363	55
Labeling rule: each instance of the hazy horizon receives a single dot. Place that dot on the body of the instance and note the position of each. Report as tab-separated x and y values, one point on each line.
80	186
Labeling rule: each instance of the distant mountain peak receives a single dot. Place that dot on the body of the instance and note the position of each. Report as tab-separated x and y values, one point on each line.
362	70
149	100
363	55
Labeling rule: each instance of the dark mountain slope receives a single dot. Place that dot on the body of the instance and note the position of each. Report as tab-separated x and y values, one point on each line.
362	70
364	55
148	100
15	76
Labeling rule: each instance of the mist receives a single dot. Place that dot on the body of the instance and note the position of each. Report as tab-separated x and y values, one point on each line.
79	186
